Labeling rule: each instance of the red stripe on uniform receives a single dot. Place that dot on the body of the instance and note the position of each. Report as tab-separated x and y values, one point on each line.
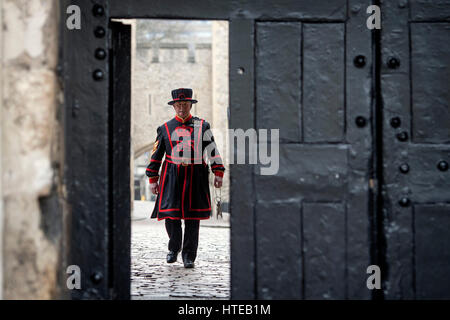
162	185
162	190
170	139
172	218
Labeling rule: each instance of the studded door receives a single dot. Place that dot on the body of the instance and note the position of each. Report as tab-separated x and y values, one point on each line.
304	68
313	218
415	78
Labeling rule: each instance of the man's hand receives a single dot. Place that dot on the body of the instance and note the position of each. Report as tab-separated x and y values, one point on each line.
218	181
154	188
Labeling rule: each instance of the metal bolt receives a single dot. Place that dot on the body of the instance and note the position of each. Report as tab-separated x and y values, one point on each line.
404	168
97	277
395	122
98	10
100	54
402	136
393	63
442	165
404	202
98	75
99	32
359	61
360	121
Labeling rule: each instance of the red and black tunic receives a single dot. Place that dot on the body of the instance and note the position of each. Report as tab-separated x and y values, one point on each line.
183	182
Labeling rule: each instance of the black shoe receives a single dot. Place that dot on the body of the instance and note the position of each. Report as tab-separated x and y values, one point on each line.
188	263
172	257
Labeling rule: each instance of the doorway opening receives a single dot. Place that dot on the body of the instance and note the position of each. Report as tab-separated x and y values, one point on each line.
165	55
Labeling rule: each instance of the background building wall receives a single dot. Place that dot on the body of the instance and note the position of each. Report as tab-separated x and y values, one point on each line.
31	163
220	95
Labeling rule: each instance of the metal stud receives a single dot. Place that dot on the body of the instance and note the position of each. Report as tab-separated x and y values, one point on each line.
393	63
99	32
98	10
395	122
360	121
97	277
442	165
404	202
404	168
402	136
100	54
359	61
98	75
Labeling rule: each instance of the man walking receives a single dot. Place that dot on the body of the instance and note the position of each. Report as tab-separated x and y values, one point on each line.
183	188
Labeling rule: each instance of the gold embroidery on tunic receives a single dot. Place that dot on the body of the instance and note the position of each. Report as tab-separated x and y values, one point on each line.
155	146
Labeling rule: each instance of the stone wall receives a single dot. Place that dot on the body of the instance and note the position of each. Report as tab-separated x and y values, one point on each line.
31	154
220	94
1	148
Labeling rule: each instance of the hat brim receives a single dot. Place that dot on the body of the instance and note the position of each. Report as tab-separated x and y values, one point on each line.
190	100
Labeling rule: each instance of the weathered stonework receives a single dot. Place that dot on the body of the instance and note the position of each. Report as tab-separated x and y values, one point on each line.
31	152
1	152
220	94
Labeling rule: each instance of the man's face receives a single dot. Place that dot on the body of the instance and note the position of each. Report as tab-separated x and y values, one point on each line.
182	108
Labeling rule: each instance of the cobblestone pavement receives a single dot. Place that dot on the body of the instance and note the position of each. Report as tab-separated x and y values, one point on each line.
153	278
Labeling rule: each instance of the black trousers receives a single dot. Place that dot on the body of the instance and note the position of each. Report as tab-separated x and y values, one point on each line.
190	241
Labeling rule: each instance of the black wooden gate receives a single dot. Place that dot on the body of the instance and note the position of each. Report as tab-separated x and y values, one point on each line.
315	71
